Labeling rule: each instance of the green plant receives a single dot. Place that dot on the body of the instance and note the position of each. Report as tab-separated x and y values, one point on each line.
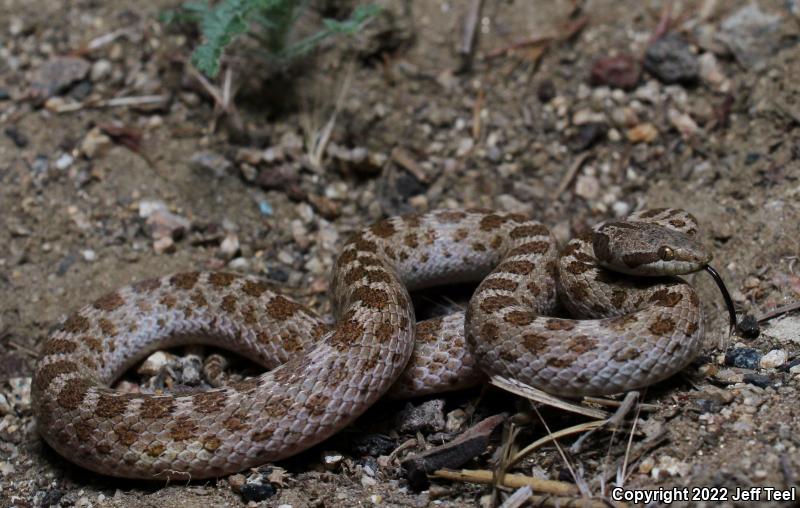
268	21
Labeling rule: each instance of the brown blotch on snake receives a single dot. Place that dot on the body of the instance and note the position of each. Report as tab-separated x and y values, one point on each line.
221	279
73	393
168	301
209	402
183	429
281	309
255	288
519	317
60	346
183	281
493	304
662	326
229	304
499	284
109	302
76	324
383	229
666	298
371	297
146	285
156	407
560	324
110	405
517	267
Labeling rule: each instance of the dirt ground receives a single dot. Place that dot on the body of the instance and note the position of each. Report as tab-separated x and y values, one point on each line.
522	129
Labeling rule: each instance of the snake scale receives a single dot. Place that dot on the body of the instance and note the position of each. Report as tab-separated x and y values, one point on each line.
635	331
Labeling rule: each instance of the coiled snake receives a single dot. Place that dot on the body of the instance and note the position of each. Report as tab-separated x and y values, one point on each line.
637	331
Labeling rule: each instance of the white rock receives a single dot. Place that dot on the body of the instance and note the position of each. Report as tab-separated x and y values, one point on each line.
89	255
649	92
163	245
621	208
773	359
683	122
332	460
455	420
155	362
239	263
509	203
64	162
100	70
20	393
229	246
711	73
95	143
587	187
584	116
300	234
5	407
148	206
6	468
464	146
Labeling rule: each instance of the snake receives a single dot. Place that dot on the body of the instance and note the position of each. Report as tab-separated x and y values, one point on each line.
605	314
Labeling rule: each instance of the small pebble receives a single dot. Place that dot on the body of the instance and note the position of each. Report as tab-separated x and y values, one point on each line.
755	379
265	208
645	132
332	460
773	359
455	420
229	246
588	135
164	224
5	407
743	358
587	187
211	162
426	417
684	123
147	207
236	482
257	492
20	396
621	71
155	363
671	61
89	255
57	74
101	69
19	139
546	91
372	445
95	143
748	327
64	162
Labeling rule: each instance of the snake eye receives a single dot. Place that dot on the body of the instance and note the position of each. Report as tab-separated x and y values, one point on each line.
666	254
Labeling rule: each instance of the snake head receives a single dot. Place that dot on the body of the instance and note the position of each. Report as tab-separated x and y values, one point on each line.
643	248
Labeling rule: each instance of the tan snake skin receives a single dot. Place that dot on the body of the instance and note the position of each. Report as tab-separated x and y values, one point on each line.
322	378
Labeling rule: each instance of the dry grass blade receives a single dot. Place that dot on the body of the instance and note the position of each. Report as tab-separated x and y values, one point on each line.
643	406
551	438
518	498
486	477
317	137
570	175
523	390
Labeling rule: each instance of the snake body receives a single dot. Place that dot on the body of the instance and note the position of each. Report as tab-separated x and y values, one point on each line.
639	331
